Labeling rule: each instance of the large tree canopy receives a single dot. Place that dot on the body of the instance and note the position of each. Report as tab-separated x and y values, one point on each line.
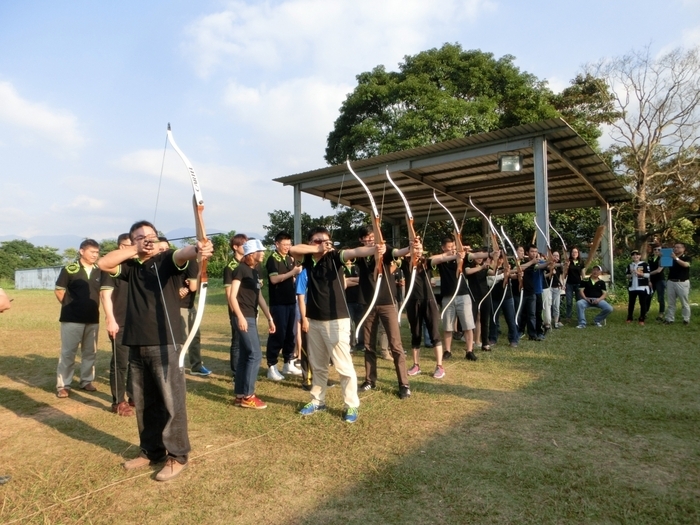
436	95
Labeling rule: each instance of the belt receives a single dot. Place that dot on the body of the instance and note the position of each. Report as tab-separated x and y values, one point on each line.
678	280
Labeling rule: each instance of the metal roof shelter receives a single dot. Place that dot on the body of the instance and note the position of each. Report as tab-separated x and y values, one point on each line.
560	171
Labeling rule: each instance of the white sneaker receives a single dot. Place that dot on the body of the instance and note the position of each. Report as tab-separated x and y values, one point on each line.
273	374
291	369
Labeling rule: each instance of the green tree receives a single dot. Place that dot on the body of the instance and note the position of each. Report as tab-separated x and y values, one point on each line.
108	245
21	254
436	95
587	104
70	255
342	225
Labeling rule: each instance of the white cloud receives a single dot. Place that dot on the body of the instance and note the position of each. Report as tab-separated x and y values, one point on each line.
146	161
292	118
84	204
691	37
337	36
56	125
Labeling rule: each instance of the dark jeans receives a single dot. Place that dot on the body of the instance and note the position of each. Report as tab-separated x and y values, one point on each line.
159	396
423	318
659	288
571	298
388	315
235	345
249	360
508	310
531	315
284	338
486	310
119	372
643	304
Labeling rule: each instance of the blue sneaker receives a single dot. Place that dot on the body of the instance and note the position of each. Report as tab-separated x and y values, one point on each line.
350	415
310	408
204	372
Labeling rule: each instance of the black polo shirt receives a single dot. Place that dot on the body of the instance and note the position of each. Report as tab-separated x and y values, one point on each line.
191	273
352	293
478	283
120	291
593	290
573	274
422	291
153	300
81	302
368	281
678	272
448	279
228	276
654	263
249	290
283	293
325	297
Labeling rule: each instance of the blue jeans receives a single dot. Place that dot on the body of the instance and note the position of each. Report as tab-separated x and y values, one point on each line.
249	359
235	345
531	315
159	395
571	295
284	338
583	304
660	291
508	309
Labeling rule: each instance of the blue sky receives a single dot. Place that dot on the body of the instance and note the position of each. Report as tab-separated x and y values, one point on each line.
251	88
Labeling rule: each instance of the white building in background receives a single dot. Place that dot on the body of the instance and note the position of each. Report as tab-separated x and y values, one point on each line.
37	278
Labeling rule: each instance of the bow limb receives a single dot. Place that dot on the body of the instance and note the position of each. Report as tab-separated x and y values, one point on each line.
378	239
519	271
564	256
550	256
411	241
459	248
494	232
202	278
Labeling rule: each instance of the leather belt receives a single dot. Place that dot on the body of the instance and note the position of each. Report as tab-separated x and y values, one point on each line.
678	280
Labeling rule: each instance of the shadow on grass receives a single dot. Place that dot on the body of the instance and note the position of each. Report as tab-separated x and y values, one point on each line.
538	456
25	407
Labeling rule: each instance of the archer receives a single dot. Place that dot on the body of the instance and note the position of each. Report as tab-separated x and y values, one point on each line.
152	332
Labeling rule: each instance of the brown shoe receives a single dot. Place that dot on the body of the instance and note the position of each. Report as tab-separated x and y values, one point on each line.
138	462
89	387
62	393
171	469
123	409
387	355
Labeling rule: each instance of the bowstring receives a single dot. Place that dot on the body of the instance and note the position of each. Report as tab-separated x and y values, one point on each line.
160	180
155	266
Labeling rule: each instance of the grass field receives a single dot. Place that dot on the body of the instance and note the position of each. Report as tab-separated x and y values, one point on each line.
589	426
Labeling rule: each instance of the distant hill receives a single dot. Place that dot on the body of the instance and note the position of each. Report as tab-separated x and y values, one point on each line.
62	242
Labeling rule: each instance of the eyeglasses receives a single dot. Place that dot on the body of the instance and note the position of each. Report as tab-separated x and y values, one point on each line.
319	241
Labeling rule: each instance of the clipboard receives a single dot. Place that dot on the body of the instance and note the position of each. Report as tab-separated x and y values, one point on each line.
666	257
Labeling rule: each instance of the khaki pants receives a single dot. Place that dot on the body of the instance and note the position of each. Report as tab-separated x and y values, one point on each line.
72	336
331	340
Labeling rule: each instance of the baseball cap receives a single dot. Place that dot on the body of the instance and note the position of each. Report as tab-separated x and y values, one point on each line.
634	252
252	246
600	268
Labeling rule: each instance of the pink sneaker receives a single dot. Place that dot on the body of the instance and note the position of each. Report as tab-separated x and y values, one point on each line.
414	370
439	372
